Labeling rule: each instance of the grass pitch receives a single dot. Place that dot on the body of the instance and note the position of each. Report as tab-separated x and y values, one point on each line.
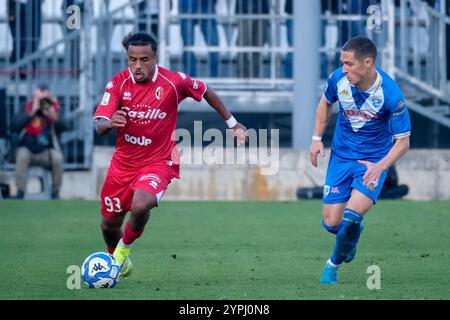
227	250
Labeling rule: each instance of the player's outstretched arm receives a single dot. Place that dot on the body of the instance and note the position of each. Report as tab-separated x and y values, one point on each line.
374	170
239	130
104	126
323	114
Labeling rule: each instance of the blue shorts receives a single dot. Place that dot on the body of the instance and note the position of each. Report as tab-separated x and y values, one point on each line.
343	175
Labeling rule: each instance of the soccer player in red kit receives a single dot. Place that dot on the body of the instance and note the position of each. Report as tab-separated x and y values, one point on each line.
141	103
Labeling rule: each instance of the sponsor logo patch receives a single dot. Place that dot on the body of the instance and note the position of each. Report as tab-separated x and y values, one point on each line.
105	99
126	95
150	176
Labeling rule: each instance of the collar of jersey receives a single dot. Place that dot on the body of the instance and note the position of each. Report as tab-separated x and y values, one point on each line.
376	85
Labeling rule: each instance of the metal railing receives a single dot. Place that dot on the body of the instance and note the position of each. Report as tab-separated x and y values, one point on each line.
241	51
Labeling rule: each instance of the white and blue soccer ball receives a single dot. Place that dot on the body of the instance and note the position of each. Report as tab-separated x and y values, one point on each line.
100	270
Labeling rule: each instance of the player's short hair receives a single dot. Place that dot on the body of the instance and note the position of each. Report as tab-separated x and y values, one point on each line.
139	39
362	47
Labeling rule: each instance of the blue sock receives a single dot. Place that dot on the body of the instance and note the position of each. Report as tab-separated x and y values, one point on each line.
334	229
348	236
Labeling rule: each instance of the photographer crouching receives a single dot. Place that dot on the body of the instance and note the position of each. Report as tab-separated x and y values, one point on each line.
37	143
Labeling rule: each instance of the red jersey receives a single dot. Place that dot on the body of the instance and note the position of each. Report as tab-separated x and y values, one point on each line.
152	110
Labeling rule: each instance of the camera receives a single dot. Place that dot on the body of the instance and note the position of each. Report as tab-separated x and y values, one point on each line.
45	104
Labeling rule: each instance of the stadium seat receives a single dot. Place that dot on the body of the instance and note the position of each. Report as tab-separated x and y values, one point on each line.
50	33
331	39
222	11
175	39
6	45
284	43
6	39
419	39
52	9
44	178
201	48
233	42
97	7
127	12
175	43
118	33
222	8
223	42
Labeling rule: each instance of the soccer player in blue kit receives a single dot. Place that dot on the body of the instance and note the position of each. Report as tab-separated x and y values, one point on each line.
372	133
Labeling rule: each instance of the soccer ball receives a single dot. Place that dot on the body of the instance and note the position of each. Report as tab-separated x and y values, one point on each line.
100	270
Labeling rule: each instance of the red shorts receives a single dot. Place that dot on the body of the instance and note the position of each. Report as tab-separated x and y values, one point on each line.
120	184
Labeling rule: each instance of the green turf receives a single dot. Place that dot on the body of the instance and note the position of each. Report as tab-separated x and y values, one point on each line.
227	250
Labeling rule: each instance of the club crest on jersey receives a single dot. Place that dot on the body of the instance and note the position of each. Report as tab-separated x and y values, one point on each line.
195	84
326	190
159	93
376	102
126	95
372	186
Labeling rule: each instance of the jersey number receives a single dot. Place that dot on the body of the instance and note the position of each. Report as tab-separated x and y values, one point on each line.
113	205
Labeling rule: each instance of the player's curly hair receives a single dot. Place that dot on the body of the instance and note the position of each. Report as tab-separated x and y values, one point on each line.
362	47
139	39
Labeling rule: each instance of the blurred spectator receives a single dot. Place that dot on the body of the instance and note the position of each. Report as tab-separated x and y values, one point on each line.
4	186
147	12
209	29
391	188
252	33
38	143
24	19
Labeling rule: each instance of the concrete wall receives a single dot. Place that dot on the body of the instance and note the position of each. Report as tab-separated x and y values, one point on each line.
426	172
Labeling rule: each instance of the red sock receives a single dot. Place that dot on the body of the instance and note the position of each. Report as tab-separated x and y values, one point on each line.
111	249
129	235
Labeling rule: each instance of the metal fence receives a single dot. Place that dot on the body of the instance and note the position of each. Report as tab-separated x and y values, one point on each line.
239	46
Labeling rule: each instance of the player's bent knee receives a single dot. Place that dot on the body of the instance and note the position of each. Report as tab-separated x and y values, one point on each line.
331	221
332	228
143	206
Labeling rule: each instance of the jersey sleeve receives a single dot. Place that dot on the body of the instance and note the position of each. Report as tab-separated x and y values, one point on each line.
110	101
330	91
192	88
399	115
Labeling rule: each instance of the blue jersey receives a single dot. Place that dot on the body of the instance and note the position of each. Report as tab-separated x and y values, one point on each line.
367	120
